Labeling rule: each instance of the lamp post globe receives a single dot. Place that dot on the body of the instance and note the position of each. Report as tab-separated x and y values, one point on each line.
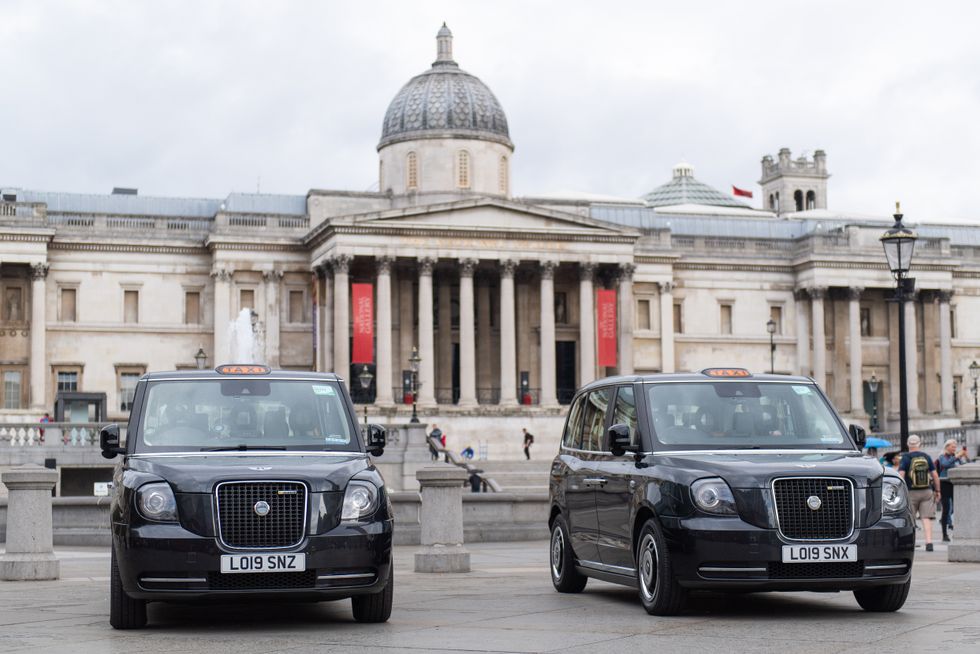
413	363
899	244
201	358
771	328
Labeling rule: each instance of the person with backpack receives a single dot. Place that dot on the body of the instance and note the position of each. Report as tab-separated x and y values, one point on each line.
528	441
922	482
950	458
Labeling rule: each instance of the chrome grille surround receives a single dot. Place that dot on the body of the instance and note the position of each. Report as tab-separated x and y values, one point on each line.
239	528
833	521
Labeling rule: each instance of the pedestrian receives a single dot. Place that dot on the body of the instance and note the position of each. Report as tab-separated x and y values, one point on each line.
468	452
44	420
435	435
922	481
950	458
528	441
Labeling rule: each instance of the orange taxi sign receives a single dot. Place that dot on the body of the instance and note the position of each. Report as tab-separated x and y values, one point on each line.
726	372
237	369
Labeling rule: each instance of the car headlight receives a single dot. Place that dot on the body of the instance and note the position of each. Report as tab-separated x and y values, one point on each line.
156	502
713	495
894	497
360	500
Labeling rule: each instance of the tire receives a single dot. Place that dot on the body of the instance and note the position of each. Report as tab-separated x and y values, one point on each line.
375	607
660	593
883	599
564	576
124	611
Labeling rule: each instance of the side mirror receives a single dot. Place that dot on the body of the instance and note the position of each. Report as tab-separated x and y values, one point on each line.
109	440
857	433
376	441
619	439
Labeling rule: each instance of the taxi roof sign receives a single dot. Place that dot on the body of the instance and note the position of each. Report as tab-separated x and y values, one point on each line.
726	372
238	369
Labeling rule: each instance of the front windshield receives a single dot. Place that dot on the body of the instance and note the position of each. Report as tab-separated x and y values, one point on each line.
736	415
238	413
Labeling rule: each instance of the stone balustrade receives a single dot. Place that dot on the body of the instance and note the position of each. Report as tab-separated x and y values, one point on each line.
35	434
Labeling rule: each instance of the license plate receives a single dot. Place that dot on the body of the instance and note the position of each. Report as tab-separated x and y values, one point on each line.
232	563
819	553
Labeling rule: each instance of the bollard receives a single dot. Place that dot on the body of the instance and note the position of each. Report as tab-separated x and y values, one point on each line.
30	554
441	519
966	501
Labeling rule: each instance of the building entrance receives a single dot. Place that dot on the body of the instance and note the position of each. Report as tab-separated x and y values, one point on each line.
565	370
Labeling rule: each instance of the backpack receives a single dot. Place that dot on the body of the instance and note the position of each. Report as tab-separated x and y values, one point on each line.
918	473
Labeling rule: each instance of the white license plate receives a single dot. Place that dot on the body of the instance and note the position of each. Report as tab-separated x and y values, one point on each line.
819	553
233	563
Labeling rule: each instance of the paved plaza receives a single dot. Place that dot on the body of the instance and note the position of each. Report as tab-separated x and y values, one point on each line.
505	605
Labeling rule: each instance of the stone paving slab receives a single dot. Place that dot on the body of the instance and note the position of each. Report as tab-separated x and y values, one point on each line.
506	604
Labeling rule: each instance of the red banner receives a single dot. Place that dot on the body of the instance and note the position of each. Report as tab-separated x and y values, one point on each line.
605	303
362	304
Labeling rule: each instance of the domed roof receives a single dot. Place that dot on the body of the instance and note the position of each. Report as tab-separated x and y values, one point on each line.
684	189
444	102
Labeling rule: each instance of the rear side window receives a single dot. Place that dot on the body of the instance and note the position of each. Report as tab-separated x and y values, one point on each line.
573	426
594	419
624	412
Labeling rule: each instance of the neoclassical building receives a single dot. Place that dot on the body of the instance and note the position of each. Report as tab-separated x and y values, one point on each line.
511	302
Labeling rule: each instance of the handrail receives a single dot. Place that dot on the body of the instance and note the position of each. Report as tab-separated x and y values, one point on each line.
455	459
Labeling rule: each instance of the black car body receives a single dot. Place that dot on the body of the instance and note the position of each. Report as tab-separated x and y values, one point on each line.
246	483
725	481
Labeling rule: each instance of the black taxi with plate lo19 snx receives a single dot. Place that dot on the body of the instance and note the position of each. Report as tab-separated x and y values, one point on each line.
724	480
247	483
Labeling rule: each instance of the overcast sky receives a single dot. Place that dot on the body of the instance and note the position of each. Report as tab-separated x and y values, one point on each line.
201	98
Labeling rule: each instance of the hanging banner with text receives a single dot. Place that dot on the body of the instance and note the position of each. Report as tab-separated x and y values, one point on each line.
362	304
605	311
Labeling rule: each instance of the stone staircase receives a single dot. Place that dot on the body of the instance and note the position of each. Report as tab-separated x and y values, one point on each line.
517	476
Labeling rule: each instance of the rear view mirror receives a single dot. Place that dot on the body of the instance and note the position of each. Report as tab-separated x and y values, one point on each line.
109	441
376	440
619	439
857	433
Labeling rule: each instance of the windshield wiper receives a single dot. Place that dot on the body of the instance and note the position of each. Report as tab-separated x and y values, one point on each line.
242	448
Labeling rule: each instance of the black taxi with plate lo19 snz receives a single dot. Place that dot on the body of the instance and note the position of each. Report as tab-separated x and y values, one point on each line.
724	480
247	483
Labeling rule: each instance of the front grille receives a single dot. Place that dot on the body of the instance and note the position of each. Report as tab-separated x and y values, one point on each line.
834	520
241	527
262	580
829	570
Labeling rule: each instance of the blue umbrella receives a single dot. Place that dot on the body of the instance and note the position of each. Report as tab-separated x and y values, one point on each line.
873	441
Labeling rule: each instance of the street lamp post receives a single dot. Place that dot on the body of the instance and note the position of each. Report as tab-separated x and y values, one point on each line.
771	328
899	243
975	373
365	378
201	358
414	362
873	387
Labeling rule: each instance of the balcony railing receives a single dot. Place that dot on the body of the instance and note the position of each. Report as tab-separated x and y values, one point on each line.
37	434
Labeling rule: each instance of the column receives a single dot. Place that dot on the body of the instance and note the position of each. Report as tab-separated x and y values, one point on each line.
341	316
222	315
586	324
945	353
549	392
626	318
484	335
326	319
911	353
508	337
817	296
802	333
427	351
666	327
857	383
272	279
467	334
38	371
407	338
444	345
383	378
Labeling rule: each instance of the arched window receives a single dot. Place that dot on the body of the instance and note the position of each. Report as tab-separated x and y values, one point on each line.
463	169
412	172
777	201
811	200
772	201
798	198
503	176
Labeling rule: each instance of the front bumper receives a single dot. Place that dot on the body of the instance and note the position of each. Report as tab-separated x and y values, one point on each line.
727	553
167	562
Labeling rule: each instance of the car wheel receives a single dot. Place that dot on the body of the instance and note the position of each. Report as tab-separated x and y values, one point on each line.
883	599
659	591
375	607
564	576
124	611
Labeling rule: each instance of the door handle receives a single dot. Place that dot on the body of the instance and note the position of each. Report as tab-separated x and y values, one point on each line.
594	481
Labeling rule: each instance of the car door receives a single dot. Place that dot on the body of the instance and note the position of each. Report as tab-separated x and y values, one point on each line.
614	497
581	476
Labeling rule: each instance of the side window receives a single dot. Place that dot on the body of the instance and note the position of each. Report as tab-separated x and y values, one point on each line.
573	429
624	412
594	420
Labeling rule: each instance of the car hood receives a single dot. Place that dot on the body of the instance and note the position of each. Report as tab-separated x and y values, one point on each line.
198	473
749	469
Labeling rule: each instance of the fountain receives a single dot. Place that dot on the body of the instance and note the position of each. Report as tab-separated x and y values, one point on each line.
245	339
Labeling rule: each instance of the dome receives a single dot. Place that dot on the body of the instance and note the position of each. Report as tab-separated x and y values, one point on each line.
684	189
445	102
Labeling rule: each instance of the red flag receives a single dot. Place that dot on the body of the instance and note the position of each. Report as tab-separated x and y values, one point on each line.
362	302
737	191
605	301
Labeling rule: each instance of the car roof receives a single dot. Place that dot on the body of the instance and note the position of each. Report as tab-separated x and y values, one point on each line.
212	374
666	377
